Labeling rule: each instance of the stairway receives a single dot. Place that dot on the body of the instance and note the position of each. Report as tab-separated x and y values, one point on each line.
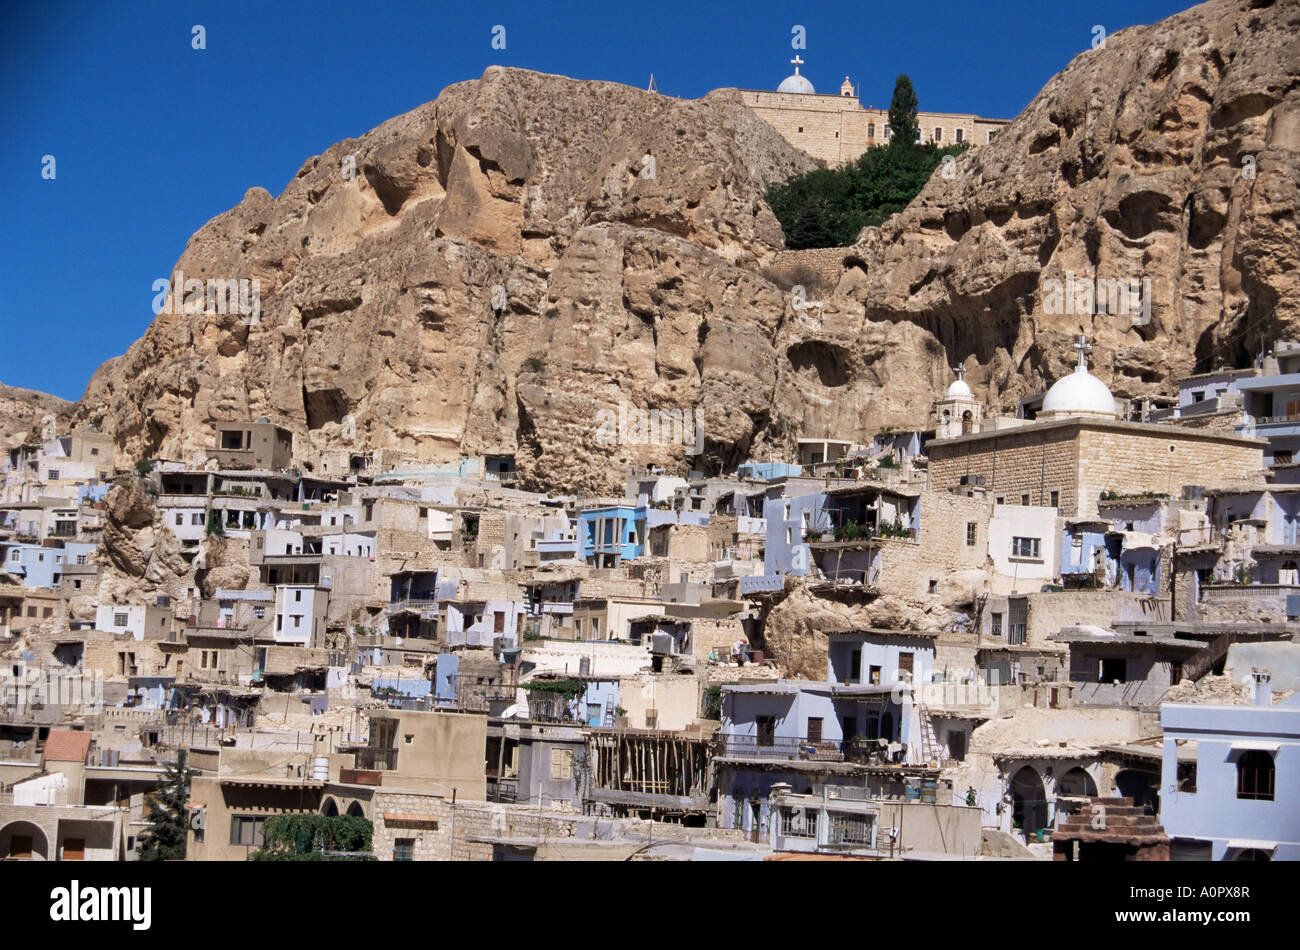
929	741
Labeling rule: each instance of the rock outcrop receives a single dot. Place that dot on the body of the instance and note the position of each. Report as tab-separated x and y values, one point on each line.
490	271
504	262
1172	154
26	415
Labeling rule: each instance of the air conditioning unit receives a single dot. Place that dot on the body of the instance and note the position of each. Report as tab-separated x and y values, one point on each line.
971	480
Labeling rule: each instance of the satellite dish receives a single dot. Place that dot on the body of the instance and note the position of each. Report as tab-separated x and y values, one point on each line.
514	711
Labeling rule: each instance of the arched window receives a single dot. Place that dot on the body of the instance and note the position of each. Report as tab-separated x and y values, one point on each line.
1255	775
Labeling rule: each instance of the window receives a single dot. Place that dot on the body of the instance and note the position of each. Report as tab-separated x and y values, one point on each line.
1111	669
81	559
119	620
1024	498
15	555
196	518
404	849
246	830
1055	499
798	823
1255	775
849	830
938	134
1025	548
561	765
766	726
259	613
934	586
960	134
971	530
871	130
54	474
180	519
297	596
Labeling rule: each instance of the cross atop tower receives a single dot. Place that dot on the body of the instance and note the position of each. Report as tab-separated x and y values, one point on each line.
797	63
1084	348
960	371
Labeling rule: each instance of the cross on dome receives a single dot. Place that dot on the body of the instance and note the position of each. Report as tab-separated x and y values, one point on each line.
960	371
1084	348
797	62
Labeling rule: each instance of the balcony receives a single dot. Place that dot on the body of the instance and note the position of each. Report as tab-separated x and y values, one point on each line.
416	604
857	751
376	760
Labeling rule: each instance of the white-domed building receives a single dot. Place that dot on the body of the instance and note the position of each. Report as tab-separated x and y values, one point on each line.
1076	449
958	412
795	82
1079	395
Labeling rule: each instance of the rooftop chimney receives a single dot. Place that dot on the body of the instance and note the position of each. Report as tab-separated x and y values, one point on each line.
1263	694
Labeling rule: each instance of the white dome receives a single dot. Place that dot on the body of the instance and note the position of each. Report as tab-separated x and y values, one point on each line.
796	83
1080	392
958	389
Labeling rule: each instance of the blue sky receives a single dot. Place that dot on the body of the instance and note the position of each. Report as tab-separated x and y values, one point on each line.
152	138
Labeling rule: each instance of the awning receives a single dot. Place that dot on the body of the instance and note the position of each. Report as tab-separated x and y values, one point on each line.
1254	745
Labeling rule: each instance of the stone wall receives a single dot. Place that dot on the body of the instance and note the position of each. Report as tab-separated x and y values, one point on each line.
1080	460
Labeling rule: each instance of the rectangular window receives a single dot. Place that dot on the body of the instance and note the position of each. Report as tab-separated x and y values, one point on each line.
960	134
404	849
1055	499
971	531
54	474
119	620
798	823
995	625
180	519
1024	498
246	830
1025	548
196	518
848	830
561	765
766	726
259	613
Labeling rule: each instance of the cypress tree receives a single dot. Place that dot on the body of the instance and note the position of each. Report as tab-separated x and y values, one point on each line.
164	839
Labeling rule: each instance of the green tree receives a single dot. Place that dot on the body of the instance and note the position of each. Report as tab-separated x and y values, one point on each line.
903	122
308	837
164	839
829	207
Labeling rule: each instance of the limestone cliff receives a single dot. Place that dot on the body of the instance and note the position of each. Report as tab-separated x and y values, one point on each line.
1172	154
528	250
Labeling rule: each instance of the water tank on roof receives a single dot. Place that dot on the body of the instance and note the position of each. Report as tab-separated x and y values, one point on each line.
663	644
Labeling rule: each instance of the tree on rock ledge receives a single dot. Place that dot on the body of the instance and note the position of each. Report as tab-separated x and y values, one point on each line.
904	126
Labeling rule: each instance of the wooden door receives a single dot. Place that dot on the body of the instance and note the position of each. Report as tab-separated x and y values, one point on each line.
74	849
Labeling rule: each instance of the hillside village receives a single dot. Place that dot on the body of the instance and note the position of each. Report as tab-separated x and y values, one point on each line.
965	640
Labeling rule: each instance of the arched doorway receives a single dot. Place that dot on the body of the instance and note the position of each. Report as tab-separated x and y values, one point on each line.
1078	783
330	809
356	811
1253	854
23	841
1028	802
967	425
1142	787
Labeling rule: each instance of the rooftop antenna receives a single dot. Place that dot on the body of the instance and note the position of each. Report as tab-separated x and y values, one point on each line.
652	87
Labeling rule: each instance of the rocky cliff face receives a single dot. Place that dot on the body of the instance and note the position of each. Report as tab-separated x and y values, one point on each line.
505	262
26	414
1171	155
527	251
